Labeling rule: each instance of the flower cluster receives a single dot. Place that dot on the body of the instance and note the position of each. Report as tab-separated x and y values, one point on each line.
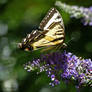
64	66
77	12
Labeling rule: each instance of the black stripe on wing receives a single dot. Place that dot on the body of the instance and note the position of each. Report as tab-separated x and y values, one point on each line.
47	18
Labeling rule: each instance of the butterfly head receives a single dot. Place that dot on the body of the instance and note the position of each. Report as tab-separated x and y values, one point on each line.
24	45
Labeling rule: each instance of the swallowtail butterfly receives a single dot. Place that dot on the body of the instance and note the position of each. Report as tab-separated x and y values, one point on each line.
51	33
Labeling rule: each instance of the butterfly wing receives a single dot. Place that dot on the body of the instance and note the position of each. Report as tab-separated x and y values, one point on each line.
52	33
53	30
52	16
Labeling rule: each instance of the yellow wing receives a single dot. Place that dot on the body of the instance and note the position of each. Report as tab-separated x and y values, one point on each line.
53	30
53	37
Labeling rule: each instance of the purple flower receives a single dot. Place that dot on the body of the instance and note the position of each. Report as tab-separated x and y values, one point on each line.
77	12
64	66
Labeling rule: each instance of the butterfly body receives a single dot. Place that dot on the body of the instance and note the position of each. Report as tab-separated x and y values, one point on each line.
51	33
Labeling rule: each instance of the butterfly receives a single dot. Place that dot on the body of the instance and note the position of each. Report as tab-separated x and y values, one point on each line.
50	34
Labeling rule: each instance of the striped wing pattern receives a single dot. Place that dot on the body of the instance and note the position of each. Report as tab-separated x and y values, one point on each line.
51	32
53	27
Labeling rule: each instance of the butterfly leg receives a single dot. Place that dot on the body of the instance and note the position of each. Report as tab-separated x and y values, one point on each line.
59	46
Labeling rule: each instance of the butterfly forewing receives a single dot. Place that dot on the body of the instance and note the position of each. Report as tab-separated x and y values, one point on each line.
52	16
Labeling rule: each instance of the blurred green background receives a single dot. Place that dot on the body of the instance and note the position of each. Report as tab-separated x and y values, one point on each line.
20	17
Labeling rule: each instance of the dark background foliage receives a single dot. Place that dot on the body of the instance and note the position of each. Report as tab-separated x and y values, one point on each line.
20	17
